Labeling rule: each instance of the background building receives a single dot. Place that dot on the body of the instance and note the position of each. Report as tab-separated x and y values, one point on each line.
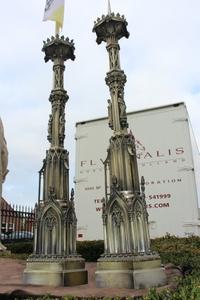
168	158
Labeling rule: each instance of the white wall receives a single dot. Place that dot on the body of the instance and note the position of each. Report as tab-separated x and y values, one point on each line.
165	159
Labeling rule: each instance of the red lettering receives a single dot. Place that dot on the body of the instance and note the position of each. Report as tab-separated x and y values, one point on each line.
158	205
98	209
179	150
98	200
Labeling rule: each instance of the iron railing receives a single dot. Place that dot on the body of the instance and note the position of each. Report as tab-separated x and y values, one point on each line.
16	222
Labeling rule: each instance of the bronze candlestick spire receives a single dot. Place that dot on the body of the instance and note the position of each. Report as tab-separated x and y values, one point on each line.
125	218
55	261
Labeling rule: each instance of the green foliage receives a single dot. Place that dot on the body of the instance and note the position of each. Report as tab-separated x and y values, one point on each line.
48	297
20	247
173	243
90	250
188	289
184	252
22	256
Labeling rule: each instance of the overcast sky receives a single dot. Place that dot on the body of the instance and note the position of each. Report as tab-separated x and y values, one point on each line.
160	59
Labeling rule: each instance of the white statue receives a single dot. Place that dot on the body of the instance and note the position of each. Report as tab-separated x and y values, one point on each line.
3	157
3	170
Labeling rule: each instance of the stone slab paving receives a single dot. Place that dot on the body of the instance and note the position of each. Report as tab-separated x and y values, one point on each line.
11	271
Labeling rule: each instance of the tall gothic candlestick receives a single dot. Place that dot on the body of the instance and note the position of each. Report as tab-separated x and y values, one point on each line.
55	261
125	218
124	213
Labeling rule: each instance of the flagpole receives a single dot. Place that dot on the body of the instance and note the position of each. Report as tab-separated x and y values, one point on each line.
57	28
109	8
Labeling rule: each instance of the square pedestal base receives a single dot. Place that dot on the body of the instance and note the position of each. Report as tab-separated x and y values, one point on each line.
63	271
134	272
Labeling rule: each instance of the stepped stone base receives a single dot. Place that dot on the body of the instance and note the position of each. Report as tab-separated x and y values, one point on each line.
55	271
131	272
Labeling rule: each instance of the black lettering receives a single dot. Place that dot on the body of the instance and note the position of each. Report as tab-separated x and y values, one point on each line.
158	154
91	163
83	162
148	155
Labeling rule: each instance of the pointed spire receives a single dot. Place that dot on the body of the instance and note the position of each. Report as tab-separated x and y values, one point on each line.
109	8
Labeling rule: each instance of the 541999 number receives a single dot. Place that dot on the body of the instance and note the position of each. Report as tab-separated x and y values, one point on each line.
159	196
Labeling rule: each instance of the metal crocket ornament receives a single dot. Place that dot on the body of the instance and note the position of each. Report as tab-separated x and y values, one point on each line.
125	218
55	261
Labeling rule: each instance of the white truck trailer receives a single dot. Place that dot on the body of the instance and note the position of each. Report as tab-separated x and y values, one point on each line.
168	158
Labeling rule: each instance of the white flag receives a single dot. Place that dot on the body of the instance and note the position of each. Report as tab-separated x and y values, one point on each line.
54	11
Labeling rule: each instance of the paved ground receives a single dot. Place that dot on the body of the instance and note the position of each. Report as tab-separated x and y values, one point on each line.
11	283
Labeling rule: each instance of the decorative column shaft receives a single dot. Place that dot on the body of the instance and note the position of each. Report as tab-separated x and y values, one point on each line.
127	261
55	261
110	29
124	211
58	100
55	230
56	164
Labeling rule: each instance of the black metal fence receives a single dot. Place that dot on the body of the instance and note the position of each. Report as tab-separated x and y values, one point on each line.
16	222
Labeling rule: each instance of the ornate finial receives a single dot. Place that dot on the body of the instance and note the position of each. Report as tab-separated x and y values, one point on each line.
103	204
110	25
115	186
58	47
72	195
109	8
142	184
51	194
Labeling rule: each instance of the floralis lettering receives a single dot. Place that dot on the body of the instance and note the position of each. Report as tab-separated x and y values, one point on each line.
160	154
87	163
48	5
143	155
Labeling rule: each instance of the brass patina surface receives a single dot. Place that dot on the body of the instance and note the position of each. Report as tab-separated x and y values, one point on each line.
127	261
54	260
